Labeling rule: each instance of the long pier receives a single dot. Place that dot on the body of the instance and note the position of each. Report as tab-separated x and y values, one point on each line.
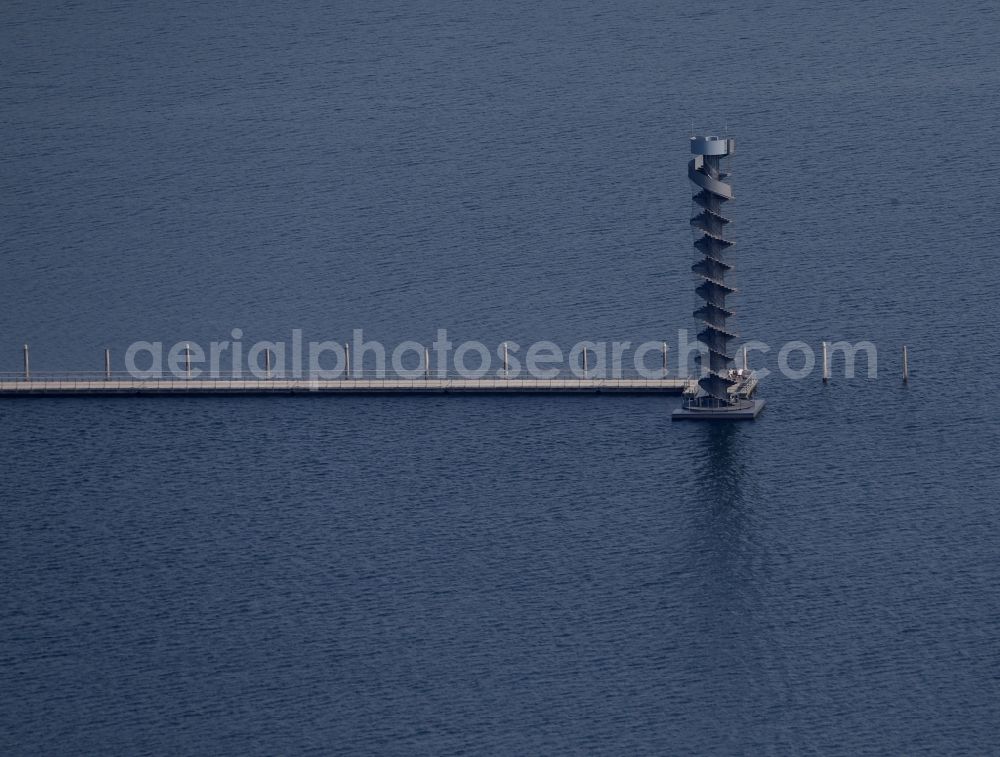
68	386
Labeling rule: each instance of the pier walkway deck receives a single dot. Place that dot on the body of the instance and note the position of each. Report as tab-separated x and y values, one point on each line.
42	386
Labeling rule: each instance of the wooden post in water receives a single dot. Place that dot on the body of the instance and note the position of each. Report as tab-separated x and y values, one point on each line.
826	364
906	366
427	364
506	370
585	363
664	358
27	364
187	360
745	366
267	363
347	360
107	364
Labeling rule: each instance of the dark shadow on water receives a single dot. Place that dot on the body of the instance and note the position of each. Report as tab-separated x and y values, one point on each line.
723	524
729	572
721	467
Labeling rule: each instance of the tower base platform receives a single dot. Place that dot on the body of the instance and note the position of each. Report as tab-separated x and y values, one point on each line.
747	410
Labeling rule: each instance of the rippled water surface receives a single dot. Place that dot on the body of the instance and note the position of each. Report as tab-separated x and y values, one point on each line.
523	575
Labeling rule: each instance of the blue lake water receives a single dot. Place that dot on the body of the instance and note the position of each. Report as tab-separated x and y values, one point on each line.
507	575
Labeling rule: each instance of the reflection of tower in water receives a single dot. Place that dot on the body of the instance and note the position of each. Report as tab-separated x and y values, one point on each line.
735	644
721	468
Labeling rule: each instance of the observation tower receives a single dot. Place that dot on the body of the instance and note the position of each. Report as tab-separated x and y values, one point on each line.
724	392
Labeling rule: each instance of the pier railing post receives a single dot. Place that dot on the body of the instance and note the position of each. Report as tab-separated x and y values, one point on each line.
664	359
187	360
347	360
107	364
27	364
427	364
267	364
506	370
